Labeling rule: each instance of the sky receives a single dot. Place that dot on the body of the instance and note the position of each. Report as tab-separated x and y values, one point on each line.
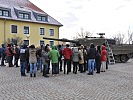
96	16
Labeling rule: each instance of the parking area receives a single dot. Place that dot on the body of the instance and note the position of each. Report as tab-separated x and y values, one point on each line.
115	84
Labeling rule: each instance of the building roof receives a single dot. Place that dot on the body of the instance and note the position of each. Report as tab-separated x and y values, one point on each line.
26	5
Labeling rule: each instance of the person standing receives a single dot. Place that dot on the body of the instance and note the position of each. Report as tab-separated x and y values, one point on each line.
91	58
45	60
60	58
54	56
3	55
67	53
9	53
81	60
75	59
39	58
103	59
98	59
16	55
32	60
23	56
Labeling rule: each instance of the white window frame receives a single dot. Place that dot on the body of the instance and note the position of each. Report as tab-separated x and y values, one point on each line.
52	41
11	28
50	33
29	30
40	31
40	41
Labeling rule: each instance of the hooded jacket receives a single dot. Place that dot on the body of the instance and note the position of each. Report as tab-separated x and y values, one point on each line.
32	55
103	53
67	53
54	55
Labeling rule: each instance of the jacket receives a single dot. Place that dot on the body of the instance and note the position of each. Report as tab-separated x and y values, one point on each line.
23	54
54	55
75	55
45	57
9	51
103	53
91	53
32	55
67	53
81	61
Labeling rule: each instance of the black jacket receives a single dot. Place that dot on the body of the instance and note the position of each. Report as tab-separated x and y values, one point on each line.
91	53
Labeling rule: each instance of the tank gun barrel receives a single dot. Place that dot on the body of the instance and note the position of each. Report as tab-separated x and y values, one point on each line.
63	40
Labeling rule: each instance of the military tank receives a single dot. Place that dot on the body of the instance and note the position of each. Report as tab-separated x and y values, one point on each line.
116	52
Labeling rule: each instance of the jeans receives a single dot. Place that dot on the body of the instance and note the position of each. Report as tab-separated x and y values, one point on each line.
22	68
2	59
75	65
55	68
39	64
91	64
45	69
33	68
10	58
68	62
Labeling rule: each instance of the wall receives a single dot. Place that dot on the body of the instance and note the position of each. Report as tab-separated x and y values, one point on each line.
34	37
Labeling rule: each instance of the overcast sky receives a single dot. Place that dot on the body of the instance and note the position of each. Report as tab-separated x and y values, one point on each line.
96	16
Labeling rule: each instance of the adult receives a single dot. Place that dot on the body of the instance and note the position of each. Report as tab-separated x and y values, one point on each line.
81	60
45	60
54	55
23	56
103	59
67	53
98	59
32	60
3	55
9	53
16	52
39	58
91	58
75	59
60	58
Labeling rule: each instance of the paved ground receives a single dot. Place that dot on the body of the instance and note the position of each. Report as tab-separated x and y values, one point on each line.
115	84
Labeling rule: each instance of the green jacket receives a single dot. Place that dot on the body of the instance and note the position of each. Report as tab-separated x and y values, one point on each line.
54	55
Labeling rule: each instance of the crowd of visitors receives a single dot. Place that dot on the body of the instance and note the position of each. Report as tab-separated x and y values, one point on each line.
34	59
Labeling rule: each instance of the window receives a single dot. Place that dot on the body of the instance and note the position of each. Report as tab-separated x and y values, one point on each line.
51	31
24	16
4	13
42	31
42	18
21	15
13	28
26	30
51	43
41	42
26	42
0	12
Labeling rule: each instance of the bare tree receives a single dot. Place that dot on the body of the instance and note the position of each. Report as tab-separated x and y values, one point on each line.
130	36
82	34
14	40
119	38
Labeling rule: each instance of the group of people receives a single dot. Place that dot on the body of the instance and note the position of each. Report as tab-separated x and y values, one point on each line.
32	59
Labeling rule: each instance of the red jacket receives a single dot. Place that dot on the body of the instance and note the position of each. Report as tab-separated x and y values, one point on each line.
103	53
67	53
9	51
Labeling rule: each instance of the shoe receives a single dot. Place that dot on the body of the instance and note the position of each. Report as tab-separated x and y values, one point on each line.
2	65
89	73
46	76
98	72
61	70
34	75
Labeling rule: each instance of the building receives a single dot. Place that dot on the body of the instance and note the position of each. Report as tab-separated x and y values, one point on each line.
21	18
